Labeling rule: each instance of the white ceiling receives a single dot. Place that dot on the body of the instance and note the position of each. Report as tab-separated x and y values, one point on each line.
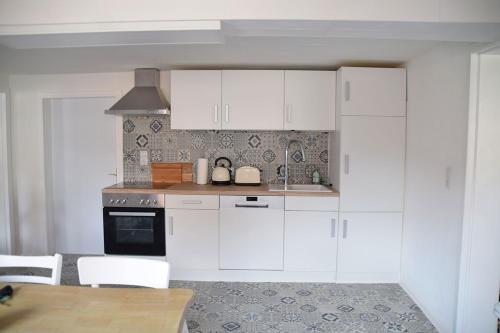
242	44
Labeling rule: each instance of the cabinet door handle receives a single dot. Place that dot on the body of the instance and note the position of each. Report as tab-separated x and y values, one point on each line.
227	113
249	205
344	229
192	202
171	225
333	223
346	164
288	113
347	91
447	177
216	113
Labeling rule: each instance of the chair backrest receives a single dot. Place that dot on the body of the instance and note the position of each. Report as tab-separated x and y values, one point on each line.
150	273
51	262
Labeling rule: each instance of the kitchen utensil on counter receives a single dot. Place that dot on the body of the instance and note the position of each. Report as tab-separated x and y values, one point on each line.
247	175
171	173
221	175
201	167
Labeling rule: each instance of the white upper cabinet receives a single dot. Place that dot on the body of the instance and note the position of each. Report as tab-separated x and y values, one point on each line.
310	100
372	156
195	99
372	91
252	99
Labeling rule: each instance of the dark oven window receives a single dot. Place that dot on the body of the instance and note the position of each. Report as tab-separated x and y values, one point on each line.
134	231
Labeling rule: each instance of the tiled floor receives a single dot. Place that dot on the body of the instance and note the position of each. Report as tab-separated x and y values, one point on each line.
221	307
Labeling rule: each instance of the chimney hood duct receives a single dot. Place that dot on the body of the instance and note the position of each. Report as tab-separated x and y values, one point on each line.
145	98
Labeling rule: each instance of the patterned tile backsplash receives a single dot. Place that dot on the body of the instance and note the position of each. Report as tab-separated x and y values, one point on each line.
263	149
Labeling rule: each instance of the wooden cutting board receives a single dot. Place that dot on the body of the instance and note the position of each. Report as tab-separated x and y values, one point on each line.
172	173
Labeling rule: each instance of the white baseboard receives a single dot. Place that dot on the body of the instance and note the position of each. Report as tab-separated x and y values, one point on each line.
373	277
251	276
281	276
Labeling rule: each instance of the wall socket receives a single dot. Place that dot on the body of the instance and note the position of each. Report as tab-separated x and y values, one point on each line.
143	158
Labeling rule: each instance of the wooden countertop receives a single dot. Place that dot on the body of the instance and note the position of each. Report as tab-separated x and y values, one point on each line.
58	309
195	189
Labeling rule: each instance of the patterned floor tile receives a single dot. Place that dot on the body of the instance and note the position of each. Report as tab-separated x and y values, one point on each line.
241	307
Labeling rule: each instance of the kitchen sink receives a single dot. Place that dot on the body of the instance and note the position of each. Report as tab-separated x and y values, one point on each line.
300	188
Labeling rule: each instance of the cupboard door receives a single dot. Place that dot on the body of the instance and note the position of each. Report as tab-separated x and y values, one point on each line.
311	241
252	99
369	246
192	239
372	154
372	91
310	100
195	99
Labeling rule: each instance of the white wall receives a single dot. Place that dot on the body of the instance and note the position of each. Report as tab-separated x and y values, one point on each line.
437	113
75	11
28	91
480	279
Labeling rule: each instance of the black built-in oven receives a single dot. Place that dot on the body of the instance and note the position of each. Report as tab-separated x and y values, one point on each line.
134	224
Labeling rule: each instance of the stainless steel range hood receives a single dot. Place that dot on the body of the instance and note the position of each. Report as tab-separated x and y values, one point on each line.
145	98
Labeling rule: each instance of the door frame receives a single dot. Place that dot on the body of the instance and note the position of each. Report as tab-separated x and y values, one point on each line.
470	189
6	244
47	163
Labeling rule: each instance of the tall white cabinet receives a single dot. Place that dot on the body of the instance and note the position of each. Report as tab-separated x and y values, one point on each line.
372	157
369	145
366	91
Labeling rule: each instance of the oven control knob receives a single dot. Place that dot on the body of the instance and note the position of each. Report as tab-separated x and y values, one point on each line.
141	202
111	201
148	202
155	202
124	201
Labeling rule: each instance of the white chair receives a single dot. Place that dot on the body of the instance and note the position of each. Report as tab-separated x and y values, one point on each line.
123	271
150	273
52	262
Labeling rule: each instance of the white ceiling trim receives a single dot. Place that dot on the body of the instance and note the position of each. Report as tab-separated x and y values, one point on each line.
97	27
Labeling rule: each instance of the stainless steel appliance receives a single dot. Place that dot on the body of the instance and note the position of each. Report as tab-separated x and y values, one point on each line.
145	98
134	224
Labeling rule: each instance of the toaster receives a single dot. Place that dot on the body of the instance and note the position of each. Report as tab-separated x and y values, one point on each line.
247	175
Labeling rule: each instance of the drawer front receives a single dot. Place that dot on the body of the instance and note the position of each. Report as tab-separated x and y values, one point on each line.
192	201
312	203
252	201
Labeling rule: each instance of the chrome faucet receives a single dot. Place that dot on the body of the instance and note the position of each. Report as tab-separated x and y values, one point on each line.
286	158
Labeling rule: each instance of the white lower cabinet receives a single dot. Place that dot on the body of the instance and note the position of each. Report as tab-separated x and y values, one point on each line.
369	247
276	238
192	239
311	241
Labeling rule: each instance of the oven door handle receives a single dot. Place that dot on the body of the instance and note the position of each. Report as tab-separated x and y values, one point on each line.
132	214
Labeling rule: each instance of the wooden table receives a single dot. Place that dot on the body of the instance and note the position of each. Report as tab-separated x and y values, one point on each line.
40	308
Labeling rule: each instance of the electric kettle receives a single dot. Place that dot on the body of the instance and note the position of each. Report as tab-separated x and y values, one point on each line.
221	175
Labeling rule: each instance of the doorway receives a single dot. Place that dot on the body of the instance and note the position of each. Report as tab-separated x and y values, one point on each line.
81	154
5	221
480	263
